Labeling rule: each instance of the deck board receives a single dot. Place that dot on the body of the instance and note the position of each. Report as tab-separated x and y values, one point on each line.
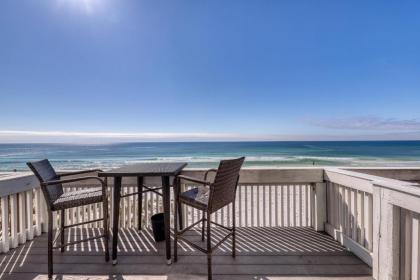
263	253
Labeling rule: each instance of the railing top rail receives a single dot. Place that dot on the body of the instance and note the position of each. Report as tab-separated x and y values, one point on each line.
416	168
411	174
400	186
263	168
283	175
363	181
351	173
15	182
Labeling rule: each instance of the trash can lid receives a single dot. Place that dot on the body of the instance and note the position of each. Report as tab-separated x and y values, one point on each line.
158	216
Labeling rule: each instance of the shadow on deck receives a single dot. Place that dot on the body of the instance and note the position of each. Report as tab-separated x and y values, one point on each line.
262	253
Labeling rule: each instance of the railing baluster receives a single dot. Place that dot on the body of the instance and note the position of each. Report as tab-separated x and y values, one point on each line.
270	204
341	208
184	208
264	206
333	201
136	209
95	214
89	214
244	205
288	206
222	216
149	208
13	221
30	214
312	202
122	208
5	224
294	204
300	203
72	212
126	217
258	210
111	205
368	221
359	219
239	204
276	205
22	218
130	210
38	212
346	211
306	204
354	214
252	209
281	205
229	215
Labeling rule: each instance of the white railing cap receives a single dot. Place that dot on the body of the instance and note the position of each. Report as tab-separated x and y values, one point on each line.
17	182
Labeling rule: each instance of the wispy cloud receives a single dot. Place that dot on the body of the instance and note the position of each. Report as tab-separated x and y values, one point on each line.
13	136
112	135
370	123
28	136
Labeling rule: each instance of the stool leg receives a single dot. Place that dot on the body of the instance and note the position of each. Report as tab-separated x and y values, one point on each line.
177	191
176	231
106	227
140	200
208	247
233	231
63	221
50	245
203	223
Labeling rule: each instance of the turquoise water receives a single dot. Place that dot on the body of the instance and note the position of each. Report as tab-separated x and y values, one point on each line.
207	154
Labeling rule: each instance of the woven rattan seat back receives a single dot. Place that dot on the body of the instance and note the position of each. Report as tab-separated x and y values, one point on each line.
45	172
223	190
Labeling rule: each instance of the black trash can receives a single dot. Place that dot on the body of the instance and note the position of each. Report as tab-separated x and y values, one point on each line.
158	227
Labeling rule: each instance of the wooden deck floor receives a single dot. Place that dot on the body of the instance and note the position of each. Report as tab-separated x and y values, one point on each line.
262	253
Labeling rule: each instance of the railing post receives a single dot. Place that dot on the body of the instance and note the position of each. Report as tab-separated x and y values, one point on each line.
386	236
415	251
320	206
376	230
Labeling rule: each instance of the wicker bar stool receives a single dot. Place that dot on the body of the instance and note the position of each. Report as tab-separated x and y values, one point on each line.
209	199
58	200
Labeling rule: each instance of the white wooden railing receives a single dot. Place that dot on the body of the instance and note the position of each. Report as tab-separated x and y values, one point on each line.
270	202
377	219
350	211
266	197
22	207
374	217
397	252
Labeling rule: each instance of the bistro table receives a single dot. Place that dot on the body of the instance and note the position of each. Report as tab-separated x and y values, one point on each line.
140	170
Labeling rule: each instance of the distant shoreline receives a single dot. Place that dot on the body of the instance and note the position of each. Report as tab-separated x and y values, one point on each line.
199	141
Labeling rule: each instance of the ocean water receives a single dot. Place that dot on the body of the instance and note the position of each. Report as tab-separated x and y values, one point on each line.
207	154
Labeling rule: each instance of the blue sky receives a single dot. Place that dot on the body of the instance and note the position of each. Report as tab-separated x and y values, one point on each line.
211	70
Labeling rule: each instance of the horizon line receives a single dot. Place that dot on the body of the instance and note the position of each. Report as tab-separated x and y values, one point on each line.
199	141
